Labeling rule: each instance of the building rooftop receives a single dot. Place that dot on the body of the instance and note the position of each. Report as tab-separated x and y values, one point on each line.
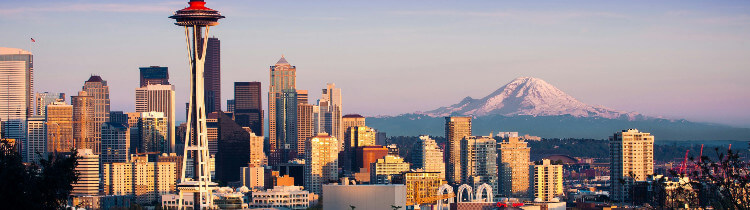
7	51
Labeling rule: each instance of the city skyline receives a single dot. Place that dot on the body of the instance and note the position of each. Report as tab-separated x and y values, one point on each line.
691	51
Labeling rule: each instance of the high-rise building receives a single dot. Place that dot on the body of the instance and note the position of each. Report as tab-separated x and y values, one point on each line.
257	156
212	132
331	108
16	93
88	170
84	127
234	149
513	167
383	170
305	125
283	78
351	120
631	159
144	180
154	75
212	75
479	162
428	156
546	180
115	142
248	106
97	87
303	97
59	128
357	136
286	127
321	162
46	98
456	128
36	139
159	98
154	132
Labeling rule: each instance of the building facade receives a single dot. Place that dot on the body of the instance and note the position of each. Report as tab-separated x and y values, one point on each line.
283	77
321	162
355	137
479	162
84	126
154	75
154	132
546	180
248	106
145	180
513	167
456	128
383	170
428	156
59	128
212	75
159	98
631	159
330	109
115	143
16	93
46	98
96	87
88	170
36	139
281	197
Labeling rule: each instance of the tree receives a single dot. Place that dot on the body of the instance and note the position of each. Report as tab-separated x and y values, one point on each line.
46	185
723	184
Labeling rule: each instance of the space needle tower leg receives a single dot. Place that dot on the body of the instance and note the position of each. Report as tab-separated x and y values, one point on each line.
196	19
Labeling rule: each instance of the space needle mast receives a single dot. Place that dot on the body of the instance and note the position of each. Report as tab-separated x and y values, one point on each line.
196	19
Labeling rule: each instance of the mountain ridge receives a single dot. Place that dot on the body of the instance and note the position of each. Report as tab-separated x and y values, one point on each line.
528	96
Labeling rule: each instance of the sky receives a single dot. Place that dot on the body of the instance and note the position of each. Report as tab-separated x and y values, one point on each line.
675	59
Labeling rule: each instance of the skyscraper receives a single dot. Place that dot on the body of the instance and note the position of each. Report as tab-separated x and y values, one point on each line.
456	128
46	98
513	167
286	127
331	108
159	98
212	75
144	180
97	87
631	159
36	140
305	125
59	128
88	170
479	162
16	92
154	75
428	156
248	106
115	143
546	180
234	146
154	132
321	162
84	127
283	77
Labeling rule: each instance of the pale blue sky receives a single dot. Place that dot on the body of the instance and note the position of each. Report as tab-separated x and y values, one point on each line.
678	59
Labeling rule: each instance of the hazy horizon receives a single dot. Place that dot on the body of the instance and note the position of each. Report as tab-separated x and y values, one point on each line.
676	59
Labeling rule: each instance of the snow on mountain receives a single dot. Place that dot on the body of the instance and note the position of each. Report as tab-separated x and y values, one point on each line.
528	96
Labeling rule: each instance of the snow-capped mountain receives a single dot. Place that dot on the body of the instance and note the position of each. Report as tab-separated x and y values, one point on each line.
528	96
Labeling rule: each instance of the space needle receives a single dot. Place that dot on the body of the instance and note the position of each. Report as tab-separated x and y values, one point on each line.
196	19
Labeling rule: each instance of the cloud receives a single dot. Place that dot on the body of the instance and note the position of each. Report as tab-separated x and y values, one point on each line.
91	7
